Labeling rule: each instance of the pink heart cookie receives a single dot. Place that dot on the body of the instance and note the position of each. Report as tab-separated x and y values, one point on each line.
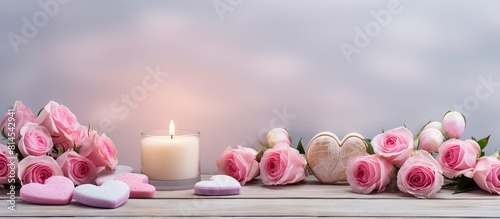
57	190
138	189
111	194
106	175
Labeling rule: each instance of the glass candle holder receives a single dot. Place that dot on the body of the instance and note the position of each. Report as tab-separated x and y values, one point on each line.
171	162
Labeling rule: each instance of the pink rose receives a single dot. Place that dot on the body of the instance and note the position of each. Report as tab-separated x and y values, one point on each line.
22	115
282	165
60	122
431	139
369	173
394	145
239	163
77	168
487	174
35	140
278	135
104	153
37	169
7	162
420	175
84	139
458	157
454	124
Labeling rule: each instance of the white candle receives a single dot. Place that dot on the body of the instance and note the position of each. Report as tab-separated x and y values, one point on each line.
170	157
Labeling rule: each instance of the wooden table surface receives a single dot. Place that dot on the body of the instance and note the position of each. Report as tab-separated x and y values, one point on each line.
309	198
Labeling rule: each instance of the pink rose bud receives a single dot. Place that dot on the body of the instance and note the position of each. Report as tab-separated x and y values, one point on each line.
282	165
436	125
77	168
458	157
454	124
431	139
7	164
486	174
278	135
84	139
239	163
22	115
37	169
35	140
394	145
366	174
420	176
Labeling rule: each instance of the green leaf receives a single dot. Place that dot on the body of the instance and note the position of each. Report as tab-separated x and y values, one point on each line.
300	147
483	142
382	129
265	148
465	184
369	148
473	138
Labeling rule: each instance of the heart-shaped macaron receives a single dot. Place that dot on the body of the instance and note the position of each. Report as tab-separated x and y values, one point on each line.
111	194
106	175
57	190
138	188
328	157
218	185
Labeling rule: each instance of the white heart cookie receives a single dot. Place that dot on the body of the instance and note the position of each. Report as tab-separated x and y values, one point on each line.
218	185
328	157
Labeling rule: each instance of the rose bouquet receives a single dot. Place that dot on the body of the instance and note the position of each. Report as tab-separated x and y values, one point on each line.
52	143
278	163
413	168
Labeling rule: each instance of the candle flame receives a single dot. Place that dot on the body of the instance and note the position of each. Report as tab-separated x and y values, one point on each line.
171	129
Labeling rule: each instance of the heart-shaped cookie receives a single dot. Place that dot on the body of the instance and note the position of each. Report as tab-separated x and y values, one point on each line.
111	194
218	185
138	188
328	157
57	190
106	175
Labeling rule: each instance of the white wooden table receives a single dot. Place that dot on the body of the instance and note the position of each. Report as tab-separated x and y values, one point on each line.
309	198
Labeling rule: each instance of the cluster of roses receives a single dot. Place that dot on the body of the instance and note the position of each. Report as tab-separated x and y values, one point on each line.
280	164
418	172
52	143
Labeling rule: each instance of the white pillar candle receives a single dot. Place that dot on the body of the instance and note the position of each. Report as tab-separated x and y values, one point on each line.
170	157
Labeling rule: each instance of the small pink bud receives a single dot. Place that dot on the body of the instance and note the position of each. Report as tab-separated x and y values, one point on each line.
431	139
454	124
278	135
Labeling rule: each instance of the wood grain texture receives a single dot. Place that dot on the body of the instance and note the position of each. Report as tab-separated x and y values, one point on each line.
309	198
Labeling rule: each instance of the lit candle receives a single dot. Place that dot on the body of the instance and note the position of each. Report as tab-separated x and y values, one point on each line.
170	156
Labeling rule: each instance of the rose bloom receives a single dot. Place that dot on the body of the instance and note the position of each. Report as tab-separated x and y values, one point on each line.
104	153
369	173
35	140
239	163
37	169
278	135
431	139
22	115
282	165
487	174
394	145
77	168
5	162
84	139
458	157
59	121
454	124
420	175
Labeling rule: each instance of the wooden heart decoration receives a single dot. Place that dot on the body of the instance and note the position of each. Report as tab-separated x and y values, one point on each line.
328	157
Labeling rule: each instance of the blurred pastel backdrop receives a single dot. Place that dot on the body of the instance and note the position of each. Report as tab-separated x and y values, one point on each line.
234	69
